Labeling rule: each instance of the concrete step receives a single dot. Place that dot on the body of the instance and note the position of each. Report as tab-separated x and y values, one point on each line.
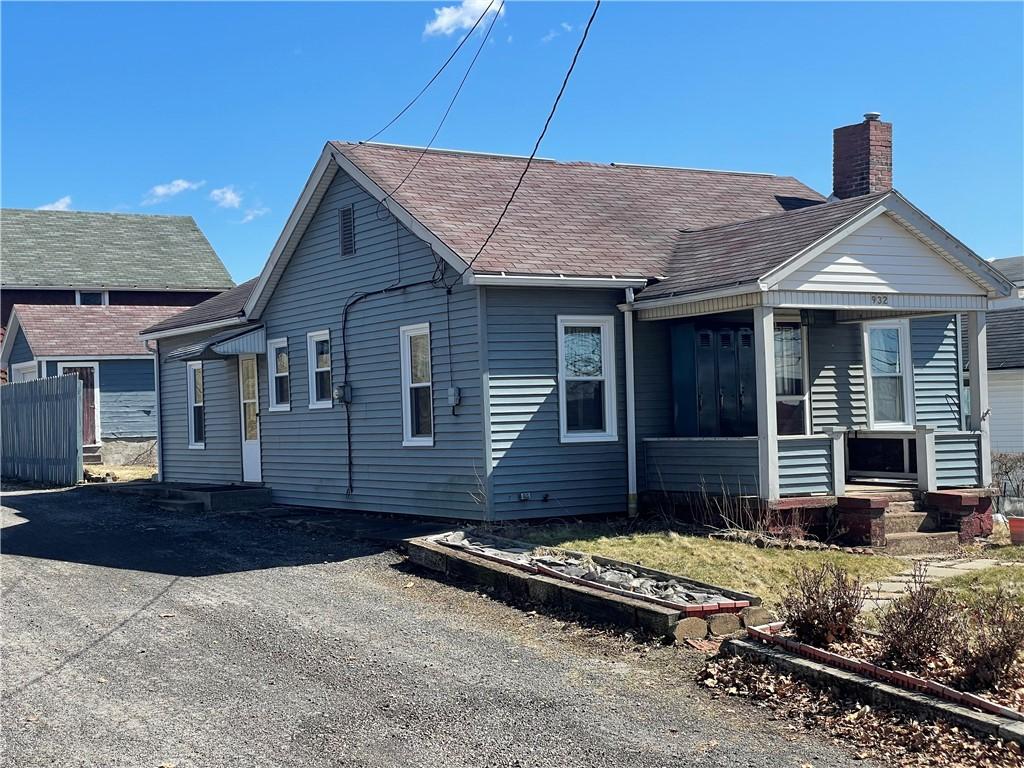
921	543
908	522
179	505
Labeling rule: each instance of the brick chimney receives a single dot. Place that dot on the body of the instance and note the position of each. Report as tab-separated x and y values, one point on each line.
862	157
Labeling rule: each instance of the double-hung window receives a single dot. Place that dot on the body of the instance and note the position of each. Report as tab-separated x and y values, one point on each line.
888	369
196	409
318	350
586	379
278	370
791	402
417	387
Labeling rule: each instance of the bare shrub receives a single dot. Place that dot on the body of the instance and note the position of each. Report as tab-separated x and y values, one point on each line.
1008	473
823	604
989	643
918	626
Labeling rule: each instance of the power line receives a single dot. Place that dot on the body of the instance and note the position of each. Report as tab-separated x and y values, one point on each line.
437	74
451	104
540	138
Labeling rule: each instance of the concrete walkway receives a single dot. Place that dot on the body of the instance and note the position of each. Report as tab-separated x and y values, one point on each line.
883	592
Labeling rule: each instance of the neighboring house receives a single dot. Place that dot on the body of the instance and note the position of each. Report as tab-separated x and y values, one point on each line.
627	329
1006	361
76	289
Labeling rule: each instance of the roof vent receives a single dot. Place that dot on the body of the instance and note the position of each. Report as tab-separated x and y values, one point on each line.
872	116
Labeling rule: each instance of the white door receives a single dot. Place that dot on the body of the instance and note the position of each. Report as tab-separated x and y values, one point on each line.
248	390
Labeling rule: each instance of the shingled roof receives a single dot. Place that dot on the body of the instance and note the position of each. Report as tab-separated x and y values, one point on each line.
569	218
731	254
71	249
85	332
1012	267
224	306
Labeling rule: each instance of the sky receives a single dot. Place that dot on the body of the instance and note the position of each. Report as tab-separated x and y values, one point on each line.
220	110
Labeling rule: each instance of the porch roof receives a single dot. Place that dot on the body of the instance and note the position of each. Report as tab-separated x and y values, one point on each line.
734	254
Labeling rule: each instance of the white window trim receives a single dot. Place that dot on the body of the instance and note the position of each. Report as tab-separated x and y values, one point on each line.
31	366
272	346
311	339
104	294
405	333
607	325
902	325
191	397
61	366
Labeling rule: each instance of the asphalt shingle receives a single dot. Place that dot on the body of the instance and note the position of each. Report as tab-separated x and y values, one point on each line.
73	249
87	331
223	306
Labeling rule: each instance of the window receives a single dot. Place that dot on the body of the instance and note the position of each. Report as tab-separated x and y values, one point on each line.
417	389
887	366
586	379
318	349
196	410
280	381
92	298
347	230
791	389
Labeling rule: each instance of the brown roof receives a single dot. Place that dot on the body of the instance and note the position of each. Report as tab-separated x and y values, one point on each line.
223	306
87	331
571	218
731	254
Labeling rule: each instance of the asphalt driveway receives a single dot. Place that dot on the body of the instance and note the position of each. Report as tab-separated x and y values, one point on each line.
136	637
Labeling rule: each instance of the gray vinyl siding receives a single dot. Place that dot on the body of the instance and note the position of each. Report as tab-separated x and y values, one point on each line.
835	363
21	352
304	459
694	465
221	460
933	344
527	455
805	466
652	382
127	398
957	461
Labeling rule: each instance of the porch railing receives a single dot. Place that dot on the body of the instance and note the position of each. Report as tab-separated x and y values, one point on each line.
948	459
810	465
716	465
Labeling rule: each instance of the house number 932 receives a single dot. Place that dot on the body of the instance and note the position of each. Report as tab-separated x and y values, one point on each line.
878	298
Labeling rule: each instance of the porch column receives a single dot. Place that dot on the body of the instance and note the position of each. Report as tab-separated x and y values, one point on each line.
978	372
767	430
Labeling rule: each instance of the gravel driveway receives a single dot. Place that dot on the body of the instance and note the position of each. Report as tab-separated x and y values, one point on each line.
133	637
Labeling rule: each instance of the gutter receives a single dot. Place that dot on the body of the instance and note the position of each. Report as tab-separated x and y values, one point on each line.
186	329
631	483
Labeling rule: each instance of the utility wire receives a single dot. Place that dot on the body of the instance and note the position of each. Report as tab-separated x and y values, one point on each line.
444	117
437	74
540	138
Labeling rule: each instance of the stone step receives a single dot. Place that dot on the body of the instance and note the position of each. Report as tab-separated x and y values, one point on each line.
908	522
921	543
905	506
180	505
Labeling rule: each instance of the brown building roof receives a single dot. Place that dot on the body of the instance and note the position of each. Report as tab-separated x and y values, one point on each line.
84	332
223	306
570	218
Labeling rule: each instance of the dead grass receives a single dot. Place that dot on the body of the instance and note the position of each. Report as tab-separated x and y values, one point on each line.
1006	577
763	572
124	474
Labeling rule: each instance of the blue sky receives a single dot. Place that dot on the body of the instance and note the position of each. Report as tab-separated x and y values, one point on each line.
220	110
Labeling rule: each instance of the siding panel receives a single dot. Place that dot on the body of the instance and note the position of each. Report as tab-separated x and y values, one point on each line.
957	461
1006	398
527	455
933	344
690	465
127	398
21	352
805	466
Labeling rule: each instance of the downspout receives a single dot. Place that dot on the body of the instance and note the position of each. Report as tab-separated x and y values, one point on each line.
156	383
631	496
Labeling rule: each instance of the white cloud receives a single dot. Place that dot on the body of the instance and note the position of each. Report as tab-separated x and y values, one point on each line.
566	26
226	197
254	213
63	204
551	35
162	192
452	18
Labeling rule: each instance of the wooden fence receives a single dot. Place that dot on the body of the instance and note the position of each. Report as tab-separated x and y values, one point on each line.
41	431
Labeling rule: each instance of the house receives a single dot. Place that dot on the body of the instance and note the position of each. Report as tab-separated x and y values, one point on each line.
626	330
1006	361
77	288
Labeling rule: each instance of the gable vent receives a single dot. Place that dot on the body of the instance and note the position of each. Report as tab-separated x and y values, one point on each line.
347	230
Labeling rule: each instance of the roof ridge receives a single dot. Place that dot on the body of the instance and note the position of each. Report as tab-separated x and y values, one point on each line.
804	209
104	213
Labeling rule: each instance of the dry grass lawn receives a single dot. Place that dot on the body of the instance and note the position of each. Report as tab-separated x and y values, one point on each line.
124	474
763	572
1008	578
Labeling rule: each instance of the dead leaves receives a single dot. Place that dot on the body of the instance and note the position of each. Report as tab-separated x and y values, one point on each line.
888	737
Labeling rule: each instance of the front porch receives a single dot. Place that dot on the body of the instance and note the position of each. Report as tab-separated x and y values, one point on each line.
792	404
